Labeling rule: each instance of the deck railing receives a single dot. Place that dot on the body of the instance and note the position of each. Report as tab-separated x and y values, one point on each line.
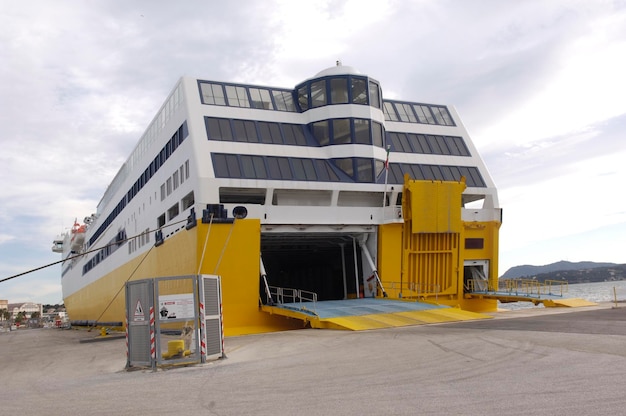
284	295
520	287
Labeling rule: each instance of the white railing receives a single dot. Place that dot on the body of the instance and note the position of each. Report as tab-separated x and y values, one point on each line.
283	295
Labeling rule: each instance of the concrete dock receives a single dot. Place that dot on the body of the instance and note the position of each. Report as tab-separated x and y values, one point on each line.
537	361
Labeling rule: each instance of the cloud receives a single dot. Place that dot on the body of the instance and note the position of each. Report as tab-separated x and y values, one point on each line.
571	154
539	86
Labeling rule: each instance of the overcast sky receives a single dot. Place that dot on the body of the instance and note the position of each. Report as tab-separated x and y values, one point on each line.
539	85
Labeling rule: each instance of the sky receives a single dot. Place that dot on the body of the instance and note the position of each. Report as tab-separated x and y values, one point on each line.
539	86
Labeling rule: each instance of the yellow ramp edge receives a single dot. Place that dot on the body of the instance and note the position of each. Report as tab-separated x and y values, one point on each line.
397	319
568	302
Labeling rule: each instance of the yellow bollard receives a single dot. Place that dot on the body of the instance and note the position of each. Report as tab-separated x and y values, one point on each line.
174	348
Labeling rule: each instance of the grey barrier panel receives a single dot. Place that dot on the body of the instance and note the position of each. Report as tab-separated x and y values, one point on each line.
183	309
140	328
153	317
212	334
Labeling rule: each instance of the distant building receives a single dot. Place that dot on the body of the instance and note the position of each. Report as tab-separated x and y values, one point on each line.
4	304
52	315
27	307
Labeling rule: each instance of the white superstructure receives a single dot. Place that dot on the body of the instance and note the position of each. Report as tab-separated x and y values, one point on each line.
309	162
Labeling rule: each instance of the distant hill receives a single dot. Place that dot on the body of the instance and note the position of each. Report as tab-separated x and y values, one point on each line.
597	274
531	271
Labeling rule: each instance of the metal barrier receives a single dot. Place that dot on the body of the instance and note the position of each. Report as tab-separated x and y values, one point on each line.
175	320
561	286
520	287
293	296
479	285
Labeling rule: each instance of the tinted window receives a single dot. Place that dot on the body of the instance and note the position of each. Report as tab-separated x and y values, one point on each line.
237	96
339	90
283	100
212	93
321	132
261	98
318	93
341	131
374	95
377	134
303	98
359	91
390	112
362	131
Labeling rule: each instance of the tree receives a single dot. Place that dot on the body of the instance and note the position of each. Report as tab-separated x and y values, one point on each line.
35	315
20	317
3	314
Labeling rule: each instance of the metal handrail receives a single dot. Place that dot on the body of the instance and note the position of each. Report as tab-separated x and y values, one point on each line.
563	286
479	285
526	287
294	296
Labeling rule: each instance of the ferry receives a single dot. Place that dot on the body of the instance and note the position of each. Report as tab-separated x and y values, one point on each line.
324	192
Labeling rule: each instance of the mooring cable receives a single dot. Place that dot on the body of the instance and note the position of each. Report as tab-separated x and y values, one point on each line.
87	252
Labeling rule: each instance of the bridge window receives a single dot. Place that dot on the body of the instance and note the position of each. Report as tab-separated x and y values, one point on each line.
261	98
339	91
270	133
341	131
321	132
359	91
389	111
212	93
374	94
303	97
362	131
318	93
283	100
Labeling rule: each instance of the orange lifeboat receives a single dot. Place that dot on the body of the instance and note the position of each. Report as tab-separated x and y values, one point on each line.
77	237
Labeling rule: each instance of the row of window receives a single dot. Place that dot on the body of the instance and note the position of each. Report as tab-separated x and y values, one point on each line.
362	170
246	96
473	178
346	89
177	178
115	243
348	130
417	113
327	132
332	132
272	167
139	241
427	144
255	131
172	212
143	179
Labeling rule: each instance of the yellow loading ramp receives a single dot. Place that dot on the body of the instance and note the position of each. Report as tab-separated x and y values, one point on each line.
370	313
549	301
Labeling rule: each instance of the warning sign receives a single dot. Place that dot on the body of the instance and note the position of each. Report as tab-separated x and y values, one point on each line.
139	315
176	306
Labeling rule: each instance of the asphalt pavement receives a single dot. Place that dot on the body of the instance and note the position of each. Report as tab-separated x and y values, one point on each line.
557	362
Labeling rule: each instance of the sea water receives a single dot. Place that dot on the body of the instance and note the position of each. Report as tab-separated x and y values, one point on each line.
593	292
